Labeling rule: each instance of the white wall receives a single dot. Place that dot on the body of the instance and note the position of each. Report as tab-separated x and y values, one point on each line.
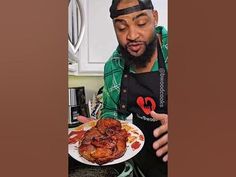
162	7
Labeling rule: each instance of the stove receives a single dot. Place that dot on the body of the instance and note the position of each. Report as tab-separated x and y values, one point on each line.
77	169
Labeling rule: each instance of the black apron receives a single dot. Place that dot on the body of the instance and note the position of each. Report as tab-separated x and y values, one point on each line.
140	93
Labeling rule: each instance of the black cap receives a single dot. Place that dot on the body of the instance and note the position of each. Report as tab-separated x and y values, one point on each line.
143	4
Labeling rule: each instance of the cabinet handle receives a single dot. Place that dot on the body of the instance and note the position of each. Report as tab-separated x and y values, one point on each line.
82	28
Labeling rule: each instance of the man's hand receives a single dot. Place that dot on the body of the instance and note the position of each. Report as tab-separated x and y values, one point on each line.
161	144
84	119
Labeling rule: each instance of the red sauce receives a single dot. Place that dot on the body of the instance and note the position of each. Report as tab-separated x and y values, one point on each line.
78	136
135	145
141	137
72	140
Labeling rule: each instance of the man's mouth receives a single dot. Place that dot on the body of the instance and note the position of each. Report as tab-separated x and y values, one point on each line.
134	47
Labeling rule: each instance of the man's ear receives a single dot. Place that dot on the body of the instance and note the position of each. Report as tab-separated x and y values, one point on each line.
155	15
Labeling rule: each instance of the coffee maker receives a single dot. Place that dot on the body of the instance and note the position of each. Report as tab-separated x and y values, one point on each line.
77	105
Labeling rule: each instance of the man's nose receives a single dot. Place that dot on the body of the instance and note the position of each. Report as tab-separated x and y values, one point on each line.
132	34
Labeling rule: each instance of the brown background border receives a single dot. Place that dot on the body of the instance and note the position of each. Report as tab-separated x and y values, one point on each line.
33	94
202	88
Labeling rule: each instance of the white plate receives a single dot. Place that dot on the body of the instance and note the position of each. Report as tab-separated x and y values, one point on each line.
135	135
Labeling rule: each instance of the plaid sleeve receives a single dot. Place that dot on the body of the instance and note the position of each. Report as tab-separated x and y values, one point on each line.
111	90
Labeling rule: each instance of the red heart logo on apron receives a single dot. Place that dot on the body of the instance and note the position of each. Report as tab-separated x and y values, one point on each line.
147	104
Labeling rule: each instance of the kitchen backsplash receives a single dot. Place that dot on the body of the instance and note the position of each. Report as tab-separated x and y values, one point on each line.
91	84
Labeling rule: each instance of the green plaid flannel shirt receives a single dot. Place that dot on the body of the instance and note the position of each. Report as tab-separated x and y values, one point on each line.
113	71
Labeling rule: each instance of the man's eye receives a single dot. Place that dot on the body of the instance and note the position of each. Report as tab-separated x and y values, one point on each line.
141	24
121	28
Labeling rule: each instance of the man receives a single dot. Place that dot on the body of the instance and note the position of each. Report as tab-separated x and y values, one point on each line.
135	80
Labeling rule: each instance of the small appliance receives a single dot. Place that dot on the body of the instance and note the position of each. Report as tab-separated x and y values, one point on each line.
77	105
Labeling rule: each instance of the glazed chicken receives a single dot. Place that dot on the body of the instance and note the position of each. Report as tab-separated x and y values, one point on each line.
104	142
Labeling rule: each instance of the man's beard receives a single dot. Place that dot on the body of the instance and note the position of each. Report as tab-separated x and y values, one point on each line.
142	60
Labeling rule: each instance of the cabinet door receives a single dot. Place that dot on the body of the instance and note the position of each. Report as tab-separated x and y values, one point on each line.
99	40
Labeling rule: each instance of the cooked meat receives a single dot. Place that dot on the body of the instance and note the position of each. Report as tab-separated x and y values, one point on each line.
101	153
104	142
105	124
122	134
121	146
86	150
90	135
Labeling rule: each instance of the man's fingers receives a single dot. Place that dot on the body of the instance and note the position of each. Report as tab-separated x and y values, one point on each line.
163	150
160	130
165	158
160	142
161	117
84	119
